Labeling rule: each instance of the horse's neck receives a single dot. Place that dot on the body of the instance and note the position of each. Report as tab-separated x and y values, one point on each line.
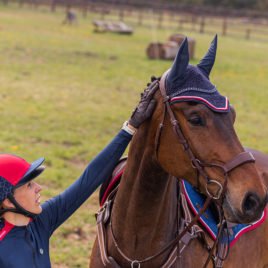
145	208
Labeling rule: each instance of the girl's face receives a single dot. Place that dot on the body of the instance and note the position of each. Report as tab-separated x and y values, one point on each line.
28	196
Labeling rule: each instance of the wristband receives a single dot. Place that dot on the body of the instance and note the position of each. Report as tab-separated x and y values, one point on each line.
128	129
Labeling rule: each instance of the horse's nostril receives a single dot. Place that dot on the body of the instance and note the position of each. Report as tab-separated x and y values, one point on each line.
251	202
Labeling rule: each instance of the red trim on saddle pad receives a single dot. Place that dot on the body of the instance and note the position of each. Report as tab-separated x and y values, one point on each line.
5	230
110	187
250	227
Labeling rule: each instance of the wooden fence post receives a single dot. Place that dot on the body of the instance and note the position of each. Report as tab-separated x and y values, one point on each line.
202	25
21	3
129	12
68	5
84	8
193	22
140	17
248	31
91	6
160	20
171	19
102	11
180	24
53	5
121	14
35	4
224	27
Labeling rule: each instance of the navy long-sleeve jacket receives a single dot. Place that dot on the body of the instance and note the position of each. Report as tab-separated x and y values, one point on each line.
28	246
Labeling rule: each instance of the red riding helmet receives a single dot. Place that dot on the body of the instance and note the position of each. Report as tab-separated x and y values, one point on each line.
15	171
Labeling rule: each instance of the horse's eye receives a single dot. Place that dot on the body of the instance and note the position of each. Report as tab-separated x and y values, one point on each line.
196	120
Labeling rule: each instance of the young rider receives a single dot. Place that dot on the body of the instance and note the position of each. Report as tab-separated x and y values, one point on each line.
26	226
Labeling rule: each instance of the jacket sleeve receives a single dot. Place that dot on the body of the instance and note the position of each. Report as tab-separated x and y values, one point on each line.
58	209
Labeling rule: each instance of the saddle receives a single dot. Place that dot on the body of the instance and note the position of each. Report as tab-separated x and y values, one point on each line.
112	181
191	202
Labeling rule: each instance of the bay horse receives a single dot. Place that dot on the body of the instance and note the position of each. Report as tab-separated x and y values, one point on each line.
190	136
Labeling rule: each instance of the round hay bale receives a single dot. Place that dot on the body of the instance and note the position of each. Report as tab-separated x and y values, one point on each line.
160	50
178	38
171	48
155	50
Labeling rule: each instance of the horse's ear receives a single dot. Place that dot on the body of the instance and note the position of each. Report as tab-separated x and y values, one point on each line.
177	71
206	64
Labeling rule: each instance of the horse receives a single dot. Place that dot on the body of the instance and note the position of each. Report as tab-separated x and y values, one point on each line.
190	136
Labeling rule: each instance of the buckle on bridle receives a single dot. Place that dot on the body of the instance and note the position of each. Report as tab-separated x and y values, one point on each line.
193	164
219	192
134	263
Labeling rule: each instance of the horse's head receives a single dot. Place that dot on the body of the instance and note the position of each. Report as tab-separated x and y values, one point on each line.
205	119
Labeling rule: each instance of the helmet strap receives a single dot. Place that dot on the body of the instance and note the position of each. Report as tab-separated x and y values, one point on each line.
18	208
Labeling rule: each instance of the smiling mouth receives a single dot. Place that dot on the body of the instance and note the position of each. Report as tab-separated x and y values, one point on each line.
38	201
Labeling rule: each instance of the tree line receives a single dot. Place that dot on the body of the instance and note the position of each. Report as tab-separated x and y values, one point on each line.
237	4
260	6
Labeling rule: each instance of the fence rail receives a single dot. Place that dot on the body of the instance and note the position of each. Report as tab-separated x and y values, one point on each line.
227	26
180	20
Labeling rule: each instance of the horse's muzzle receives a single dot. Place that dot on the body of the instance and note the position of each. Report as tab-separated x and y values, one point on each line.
252	206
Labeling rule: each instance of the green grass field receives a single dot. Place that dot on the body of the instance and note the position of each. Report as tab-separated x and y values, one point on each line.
65	91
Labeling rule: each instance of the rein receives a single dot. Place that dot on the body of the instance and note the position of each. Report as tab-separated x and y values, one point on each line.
242	158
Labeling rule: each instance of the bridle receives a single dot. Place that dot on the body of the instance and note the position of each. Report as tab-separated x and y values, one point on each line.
198	165
240	159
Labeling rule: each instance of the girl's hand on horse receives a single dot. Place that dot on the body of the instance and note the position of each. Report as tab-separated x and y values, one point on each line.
146	105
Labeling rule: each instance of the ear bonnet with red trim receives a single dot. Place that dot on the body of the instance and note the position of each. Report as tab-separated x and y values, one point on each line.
186	82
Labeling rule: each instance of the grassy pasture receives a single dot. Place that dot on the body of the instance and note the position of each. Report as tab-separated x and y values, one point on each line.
65	92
